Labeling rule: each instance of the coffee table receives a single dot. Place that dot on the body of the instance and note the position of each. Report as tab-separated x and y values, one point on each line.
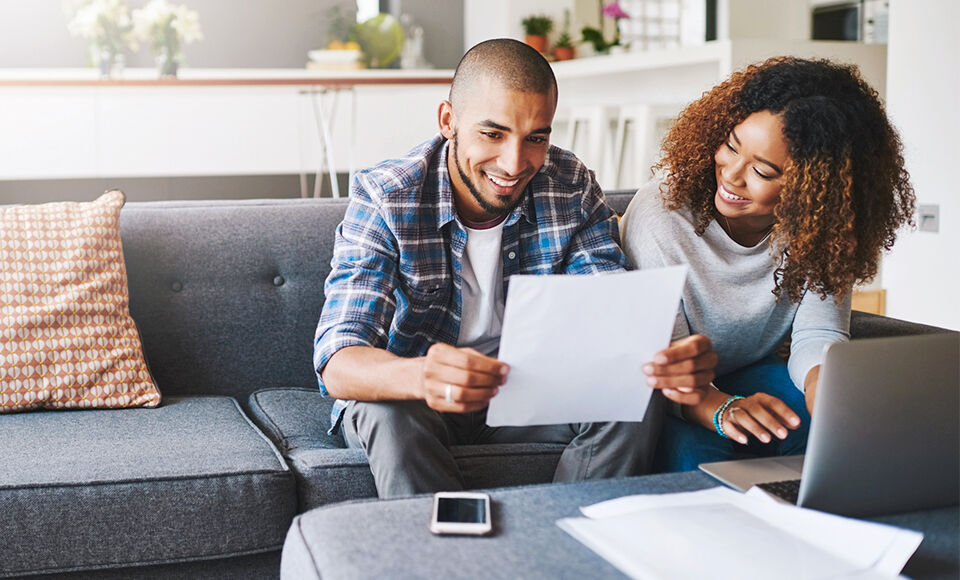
390	539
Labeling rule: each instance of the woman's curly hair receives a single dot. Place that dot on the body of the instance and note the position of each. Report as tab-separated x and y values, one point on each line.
845	191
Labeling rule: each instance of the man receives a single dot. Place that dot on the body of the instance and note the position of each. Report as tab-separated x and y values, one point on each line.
414	302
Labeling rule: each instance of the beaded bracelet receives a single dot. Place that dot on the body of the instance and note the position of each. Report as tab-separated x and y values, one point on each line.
718	415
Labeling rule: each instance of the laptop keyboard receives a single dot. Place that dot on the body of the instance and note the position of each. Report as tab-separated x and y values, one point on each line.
788	490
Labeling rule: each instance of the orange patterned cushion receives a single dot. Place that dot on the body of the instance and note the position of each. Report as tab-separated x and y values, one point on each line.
66	336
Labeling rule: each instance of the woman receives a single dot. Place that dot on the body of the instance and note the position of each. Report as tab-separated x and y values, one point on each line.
780	188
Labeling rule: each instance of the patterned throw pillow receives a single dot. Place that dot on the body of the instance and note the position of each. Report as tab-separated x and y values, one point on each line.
66	336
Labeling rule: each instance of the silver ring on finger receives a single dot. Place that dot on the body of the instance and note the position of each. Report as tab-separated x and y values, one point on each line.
448	393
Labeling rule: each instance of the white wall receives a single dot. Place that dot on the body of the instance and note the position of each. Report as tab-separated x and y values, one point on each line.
922	274
781	19
247	34
486	19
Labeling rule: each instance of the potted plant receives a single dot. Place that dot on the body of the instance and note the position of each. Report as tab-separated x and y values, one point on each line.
536	28
595	37
563	47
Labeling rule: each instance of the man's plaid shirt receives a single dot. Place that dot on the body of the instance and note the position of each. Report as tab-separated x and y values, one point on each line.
396	269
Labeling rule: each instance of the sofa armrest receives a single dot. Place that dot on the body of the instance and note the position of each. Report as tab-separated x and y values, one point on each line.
866	325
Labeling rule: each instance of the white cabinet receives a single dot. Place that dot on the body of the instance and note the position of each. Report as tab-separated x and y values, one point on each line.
197	131
47	132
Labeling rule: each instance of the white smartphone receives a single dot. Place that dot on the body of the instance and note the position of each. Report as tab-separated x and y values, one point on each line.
460	512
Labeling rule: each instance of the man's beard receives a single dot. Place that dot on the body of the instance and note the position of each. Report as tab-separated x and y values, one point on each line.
494	210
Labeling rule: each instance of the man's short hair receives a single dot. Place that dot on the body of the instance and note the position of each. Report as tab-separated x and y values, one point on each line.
513	64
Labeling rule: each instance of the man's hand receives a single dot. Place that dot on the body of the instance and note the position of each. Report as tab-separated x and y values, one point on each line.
683	370
760	415
460	380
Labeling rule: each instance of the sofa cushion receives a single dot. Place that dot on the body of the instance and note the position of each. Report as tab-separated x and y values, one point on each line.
192	479
68	340
295	419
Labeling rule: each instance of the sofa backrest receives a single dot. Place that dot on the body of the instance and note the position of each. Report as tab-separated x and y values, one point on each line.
227	294
620	199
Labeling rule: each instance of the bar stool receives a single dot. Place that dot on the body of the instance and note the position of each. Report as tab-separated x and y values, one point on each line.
324	115
640	128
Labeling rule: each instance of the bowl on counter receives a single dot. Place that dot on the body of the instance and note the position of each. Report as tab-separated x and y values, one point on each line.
334	58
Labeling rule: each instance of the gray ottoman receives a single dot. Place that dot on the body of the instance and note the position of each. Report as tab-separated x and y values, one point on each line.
368	539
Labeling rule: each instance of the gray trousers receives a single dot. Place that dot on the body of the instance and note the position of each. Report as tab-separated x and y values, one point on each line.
407	444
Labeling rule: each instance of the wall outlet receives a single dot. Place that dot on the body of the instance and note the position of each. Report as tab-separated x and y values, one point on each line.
928	218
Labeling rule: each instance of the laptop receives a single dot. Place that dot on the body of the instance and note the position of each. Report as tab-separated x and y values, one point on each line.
885	433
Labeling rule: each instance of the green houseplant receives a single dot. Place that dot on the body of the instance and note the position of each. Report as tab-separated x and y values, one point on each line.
563	47
537	27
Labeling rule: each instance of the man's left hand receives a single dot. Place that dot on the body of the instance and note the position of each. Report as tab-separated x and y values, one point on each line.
683	370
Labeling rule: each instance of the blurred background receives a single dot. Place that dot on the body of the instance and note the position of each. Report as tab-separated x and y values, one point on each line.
286	98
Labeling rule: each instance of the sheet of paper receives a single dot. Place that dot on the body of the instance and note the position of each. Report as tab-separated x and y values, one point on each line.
832	545
576	345
868	544
717	541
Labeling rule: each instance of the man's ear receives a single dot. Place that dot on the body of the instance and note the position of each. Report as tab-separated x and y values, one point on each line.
446	120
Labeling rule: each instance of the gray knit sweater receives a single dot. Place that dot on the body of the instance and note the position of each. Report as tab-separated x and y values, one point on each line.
727	296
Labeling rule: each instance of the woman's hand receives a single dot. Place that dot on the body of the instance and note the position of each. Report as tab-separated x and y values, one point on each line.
683	370
810	387
760	415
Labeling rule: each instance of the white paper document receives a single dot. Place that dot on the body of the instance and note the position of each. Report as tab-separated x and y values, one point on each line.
719	533
576	345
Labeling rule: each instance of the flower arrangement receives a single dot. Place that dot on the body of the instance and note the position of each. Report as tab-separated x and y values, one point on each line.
613	10
106	24
166	27
595	35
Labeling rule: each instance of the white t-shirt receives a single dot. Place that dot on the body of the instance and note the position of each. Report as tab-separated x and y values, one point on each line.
481	291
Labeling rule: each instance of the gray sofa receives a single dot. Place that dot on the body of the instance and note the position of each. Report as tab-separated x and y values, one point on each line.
226	296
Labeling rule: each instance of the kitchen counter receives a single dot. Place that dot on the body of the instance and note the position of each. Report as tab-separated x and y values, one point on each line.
132	77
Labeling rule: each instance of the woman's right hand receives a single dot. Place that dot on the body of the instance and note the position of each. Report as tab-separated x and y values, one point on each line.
761	415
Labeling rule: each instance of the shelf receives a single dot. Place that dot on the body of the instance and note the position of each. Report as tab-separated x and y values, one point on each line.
683	74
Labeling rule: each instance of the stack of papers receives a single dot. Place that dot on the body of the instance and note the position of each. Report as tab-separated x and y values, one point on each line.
720	533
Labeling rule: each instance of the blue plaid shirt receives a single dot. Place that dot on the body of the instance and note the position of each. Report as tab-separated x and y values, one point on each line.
396	270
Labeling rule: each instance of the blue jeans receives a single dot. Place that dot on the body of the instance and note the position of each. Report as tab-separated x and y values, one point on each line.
683	446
